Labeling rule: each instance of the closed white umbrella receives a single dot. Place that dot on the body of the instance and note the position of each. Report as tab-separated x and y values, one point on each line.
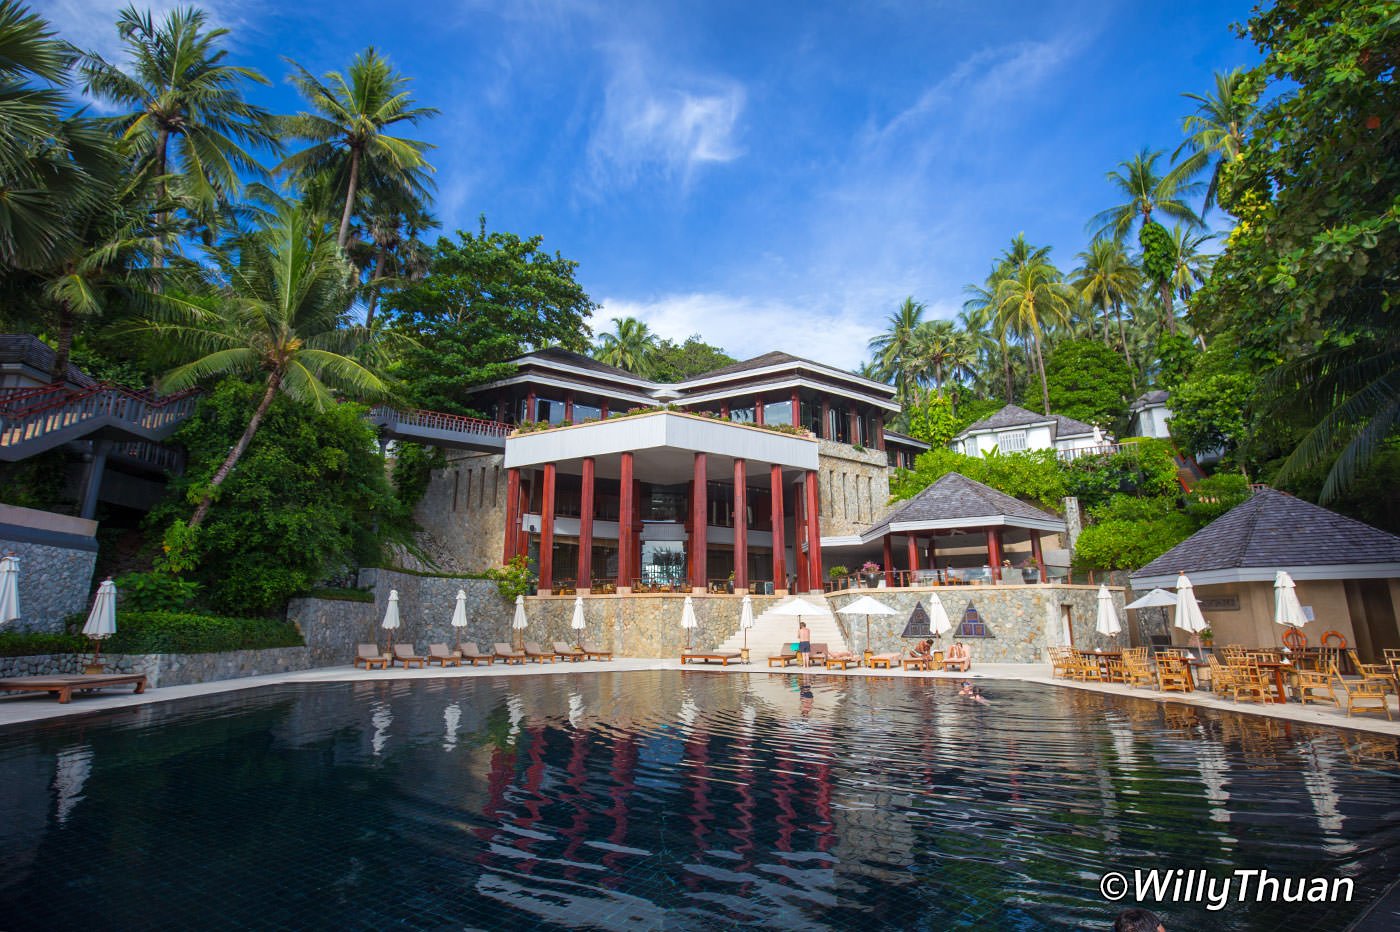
391	618
867	606
9	587
102	620
1288	611
746	618
577	623
459	616
1107	623
518	622
688	621
1188	610
938	621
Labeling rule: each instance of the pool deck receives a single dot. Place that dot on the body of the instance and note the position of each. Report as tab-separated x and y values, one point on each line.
32	708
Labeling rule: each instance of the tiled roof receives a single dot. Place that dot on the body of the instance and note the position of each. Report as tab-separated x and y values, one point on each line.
1155	397
955	497
1017	416
1275	530
1069	427
28	350
577	360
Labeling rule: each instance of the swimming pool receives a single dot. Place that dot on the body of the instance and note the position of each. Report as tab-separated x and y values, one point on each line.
677	800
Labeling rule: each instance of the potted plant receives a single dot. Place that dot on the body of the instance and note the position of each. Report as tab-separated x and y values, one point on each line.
730	585
871	571
837	572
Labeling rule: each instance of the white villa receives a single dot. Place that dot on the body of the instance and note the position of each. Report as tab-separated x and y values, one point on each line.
1014	429
1149	415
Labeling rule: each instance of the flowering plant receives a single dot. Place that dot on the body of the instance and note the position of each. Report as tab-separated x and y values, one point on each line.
870	567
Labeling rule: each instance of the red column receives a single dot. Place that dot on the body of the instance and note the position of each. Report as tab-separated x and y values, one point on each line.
913	545
741	527
824	429
889	559
626	509
775	485
530	407
1037	556
512	513
799	537
993	551
547	531
758	410
585	528
880	432
699	522
852	425
637	529
814	534
569	408
604	409
796	410
724	410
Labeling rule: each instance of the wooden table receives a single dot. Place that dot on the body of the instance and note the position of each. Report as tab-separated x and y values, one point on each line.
64	686
1277	666
1102	656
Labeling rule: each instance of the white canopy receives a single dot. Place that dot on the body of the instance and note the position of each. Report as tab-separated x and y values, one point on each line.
795	608
865	605
746	613
1188	610
938	621
102	620
1288	611
577	622
459	614
391	614
1157	598
688	614
518	622
1107	623
9	588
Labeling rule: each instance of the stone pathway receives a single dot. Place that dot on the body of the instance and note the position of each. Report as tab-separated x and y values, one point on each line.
22	709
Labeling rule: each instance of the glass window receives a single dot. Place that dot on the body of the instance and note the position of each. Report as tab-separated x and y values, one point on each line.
549	411
665	502
777	412
586	413
1013	441
741	415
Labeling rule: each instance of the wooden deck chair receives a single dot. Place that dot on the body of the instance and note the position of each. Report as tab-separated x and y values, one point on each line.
507	654
440	655
406	655
1316	686
1367	695
533	652
370	656
469	652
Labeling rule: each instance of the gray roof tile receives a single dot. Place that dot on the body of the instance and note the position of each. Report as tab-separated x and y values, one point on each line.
956	496
1017	416
1274	530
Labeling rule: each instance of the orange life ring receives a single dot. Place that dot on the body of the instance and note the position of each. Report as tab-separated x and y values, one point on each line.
1341	641
1295	639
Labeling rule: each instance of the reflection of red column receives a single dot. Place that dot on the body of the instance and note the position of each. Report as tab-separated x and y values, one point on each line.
698	775
775	485
626	509
699	521
1037	556
547	531
741	527
512	513
621	785
889	559
814	534
584	576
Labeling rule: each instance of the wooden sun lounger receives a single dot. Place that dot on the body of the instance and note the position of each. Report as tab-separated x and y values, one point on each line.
563	651
439	654
884	661
64	686
533	652
370	657
405	654
469	652
592	654
507	654
723	656
842	660
782	660
918	662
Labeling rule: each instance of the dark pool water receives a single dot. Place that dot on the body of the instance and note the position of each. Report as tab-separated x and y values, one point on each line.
674	800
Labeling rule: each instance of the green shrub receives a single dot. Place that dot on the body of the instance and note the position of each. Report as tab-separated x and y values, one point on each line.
188	633
26	643
514	578
1215	495
155	592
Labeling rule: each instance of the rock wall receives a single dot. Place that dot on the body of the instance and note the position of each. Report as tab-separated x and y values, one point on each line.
463	514
54	582
332	627
853	487
1021	621
168	669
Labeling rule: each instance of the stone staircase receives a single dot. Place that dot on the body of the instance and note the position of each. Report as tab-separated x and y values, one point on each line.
771	633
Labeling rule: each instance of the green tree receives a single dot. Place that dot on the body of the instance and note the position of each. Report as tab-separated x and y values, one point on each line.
675	362
1030	298
348	131
310	497
485	299
1308	278
1146	190
1107	279
1211	405
185	115
1216	132
1128	532
1089	382
631	346
894	349
271	309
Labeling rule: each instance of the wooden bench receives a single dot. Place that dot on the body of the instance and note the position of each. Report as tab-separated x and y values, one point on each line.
884	661
918	663
782	660
722	656
65	685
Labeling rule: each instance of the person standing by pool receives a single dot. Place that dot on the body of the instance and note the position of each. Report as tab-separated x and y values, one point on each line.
804	641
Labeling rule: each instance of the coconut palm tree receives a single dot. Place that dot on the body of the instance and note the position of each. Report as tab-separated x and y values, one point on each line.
894	349
1216	132
631	346
391	249
185	118
1107	279
1190	266
349	132
1146	191
978	316
273	309
1030	298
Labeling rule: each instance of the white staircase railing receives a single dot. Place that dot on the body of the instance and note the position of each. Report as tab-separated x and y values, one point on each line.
33	420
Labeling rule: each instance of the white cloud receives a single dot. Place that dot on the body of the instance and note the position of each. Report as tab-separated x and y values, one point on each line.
91	24
658	123
833	330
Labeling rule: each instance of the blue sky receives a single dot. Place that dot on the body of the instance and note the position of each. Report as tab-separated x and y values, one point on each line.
768	175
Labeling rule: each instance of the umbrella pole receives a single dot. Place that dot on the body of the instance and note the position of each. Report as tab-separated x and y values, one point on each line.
867	635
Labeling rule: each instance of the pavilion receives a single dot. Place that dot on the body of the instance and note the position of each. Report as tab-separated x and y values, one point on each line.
960	524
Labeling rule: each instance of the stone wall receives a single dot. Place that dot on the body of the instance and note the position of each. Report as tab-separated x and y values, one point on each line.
463	514
641	625
1022	621
853	488
168	669
332	627
426	604
54	582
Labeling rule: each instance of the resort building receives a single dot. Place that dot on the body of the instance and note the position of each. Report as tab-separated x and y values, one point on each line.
1014	429
737	478
1347	574
1148	416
